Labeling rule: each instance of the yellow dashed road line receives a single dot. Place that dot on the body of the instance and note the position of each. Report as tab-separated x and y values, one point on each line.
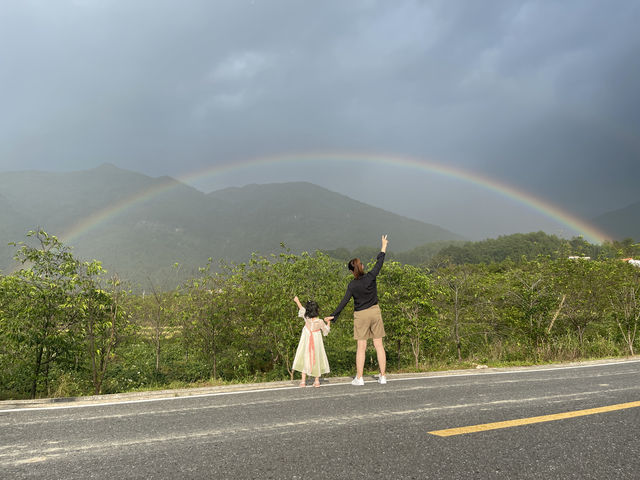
527	421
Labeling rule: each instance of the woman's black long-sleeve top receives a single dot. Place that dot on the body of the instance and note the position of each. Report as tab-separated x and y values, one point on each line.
364	290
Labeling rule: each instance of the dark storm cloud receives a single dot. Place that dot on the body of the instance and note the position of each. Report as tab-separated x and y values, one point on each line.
539	94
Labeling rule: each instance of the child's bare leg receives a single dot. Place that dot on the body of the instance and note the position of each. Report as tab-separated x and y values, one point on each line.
316	383
303	380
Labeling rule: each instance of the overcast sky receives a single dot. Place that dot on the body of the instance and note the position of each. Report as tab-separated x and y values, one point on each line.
541	95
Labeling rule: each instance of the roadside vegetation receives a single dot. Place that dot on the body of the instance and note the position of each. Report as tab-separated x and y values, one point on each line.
68	328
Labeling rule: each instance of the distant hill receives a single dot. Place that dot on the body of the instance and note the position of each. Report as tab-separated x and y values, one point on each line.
307	217
139	226
515	247
12	223
622	223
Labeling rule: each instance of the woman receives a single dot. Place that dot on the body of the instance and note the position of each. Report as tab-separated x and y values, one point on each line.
367	319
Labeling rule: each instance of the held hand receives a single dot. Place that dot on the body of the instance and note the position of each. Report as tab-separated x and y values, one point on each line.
328	320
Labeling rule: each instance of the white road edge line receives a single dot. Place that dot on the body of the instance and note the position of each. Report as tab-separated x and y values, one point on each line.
237	392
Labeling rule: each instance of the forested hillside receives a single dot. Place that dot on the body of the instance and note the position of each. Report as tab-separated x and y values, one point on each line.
516	246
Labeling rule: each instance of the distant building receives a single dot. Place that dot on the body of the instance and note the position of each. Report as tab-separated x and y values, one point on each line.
579	258
635	263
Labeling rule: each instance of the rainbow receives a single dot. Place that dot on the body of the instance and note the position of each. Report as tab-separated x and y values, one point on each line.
545	208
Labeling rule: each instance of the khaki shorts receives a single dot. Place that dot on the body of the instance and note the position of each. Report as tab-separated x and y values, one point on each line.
368	323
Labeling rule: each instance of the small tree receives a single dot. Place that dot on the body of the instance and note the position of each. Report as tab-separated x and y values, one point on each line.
207	316
44	310
583	283
105	323
407	296
455	299
625	303
531	300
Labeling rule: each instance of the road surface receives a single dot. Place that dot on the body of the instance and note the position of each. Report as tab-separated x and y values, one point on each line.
341	431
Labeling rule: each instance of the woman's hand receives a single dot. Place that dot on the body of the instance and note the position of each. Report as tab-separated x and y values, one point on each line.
384	243
328	320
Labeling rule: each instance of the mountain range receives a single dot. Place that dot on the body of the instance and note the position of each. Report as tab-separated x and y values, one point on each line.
140	226
622	223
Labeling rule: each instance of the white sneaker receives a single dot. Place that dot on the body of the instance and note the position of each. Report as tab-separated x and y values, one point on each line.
357	381
382	379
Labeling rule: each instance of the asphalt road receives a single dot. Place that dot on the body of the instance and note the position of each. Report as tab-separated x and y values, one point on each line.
341	431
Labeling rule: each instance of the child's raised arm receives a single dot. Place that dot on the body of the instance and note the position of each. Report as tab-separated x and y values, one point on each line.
297	300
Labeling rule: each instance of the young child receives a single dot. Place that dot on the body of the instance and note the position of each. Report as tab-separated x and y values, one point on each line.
311	359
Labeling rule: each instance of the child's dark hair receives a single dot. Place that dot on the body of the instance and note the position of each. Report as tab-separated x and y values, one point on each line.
311	309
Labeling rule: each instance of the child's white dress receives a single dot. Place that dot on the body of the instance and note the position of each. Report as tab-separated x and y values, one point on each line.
311	357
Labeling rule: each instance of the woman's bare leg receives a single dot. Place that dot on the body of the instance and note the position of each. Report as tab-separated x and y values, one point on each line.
360	355
382	355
